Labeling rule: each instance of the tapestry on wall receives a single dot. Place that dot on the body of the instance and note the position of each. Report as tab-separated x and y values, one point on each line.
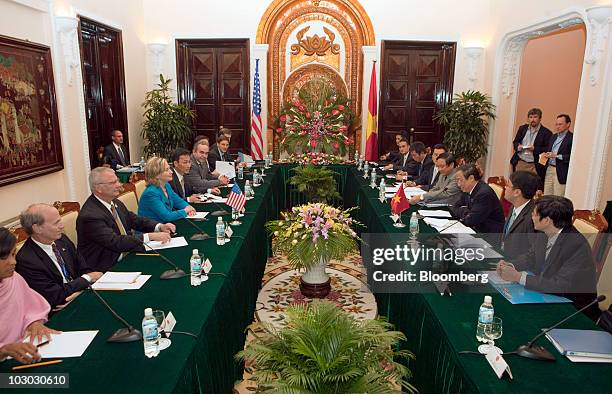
30	143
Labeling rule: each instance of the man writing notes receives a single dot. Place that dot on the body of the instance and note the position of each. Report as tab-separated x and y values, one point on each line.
445	190
518	229
116	152
531	139
558	155
560	261
48	260
199	176
479	206
104	225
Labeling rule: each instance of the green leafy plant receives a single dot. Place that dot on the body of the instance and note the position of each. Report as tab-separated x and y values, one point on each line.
317	183
166	125
323	349
312	233
466	120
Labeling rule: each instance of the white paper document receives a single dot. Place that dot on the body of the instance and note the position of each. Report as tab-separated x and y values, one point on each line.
67	344
137	284
226	168
466	241
434	213
119	277
495	278
198	215
458	228
176	242
438	224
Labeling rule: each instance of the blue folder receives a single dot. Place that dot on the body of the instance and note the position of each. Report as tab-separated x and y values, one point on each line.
518	294
585	343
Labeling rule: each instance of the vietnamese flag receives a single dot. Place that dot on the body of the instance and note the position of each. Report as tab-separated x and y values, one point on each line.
399	202
371	149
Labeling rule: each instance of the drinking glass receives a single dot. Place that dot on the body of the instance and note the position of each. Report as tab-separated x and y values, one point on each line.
492	332
160	317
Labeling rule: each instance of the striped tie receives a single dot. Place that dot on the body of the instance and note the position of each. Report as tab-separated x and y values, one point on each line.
61	263
118	220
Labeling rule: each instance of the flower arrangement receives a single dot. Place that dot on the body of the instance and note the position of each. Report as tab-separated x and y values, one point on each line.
315	158
311	233
316	123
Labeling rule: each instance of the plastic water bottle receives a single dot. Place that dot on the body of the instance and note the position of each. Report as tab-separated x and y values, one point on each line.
366	168
414	224
270	159
220	231
359	163
381	189
240	172
149	334
142	163
485	317
373	178
248	190
195	262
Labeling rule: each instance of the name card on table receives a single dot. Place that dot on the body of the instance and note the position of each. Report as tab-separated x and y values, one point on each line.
499	365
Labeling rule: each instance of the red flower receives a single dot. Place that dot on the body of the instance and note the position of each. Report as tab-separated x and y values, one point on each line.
341	107
302	108
335	112
283	118
349	141
313	143
280	129
307	115
343	128
336	145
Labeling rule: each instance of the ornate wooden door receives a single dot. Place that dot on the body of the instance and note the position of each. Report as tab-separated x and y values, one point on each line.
416	81
103	84
213	80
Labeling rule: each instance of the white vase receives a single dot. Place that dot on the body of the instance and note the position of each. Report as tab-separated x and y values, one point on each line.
316	274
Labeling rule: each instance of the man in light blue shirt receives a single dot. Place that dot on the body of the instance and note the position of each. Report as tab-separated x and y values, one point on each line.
558	156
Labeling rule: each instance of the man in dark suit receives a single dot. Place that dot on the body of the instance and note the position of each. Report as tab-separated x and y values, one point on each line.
531	139
199	176
404	163
429	176
560	261
518	229
219	152
479	206
181	165
558	155
48	260
394	154
105	225
115	152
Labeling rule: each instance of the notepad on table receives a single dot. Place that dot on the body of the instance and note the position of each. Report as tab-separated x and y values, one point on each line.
136	285
67	344
436	213
198	215
119	277
175	242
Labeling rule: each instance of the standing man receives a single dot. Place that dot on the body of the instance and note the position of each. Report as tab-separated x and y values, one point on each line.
116	151
558	155
518	229
48	260
531	139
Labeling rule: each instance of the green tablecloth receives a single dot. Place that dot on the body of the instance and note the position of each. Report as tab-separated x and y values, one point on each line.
218	312
439	327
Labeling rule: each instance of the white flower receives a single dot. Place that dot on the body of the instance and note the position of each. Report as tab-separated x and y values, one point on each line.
294	242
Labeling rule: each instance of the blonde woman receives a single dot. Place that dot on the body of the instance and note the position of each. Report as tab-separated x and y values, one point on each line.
158	201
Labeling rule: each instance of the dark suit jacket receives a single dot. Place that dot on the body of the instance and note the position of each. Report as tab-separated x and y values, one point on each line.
176	186
518	238
481	210
100	241
565	149
424	167
427	179
42	275
410	165
215	154
199	177
111	154
539	145
393	155
568	270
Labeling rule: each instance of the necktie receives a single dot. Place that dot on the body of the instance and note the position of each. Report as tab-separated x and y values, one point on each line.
61	263
118	220
510	221
182	181
549	245
121	155
435	180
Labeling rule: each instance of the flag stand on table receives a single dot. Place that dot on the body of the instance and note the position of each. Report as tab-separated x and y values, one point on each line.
257	143
399	203
237	201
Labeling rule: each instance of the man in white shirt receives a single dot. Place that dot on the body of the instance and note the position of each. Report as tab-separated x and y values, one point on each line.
116	152
181	184
518	233
48	260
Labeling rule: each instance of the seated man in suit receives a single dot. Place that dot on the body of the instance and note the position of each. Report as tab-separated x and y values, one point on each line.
48	260
479	206
531	139
558	155
446	189
199	176
560	261
518	230
181	165
429	176
394	154
404	163
104	225
219	152
115	152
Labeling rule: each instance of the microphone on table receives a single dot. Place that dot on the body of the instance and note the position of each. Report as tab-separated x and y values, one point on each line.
536	352
127	334
220	211
200	235
175	273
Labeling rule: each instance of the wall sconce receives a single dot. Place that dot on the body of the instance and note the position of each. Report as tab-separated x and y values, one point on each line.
66	27
473	55
157	50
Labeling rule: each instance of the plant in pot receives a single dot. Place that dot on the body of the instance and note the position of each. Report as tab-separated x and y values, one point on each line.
323	349
166	125
466	120
311	235
317	183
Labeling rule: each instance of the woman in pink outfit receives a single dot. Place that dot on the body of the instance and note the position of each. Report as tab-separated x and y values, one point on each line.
23	311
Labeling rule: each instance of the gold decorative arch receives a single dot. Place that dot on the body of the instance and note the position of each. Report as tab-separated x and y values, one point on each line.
283	16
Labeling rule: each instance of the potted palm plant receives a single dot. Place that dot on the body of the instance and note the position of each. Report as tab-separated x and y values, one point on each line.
311	235
323	349
166	125
466	120
317	183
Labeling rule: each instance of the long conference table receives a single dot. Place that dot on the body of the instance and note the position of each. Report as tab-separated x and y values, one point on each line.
219	310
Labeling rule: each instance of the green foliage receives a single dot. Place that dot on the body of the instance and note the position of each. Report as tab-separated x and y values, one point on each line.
317	183
166	125
467	124
323	349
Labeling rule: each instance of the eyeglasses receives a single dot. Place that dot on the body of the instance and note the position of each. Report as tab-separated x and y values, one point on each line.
108	183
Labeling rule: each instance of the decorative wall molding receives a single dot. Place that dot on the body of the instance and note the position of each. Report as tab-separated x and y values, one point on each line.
38	5
598	19
157	55
474	59
513	52
66	27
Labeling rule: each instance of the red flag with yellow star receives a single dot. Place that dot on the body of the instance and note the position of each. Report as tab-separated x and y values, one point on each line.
399	202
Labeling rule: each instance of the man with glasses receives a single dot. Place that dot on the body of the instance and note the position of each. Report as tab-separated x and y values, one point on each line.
105	227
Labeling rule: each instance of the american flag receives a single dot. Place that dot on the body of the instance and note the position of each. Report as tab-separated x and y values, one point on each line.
236	198
256	125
